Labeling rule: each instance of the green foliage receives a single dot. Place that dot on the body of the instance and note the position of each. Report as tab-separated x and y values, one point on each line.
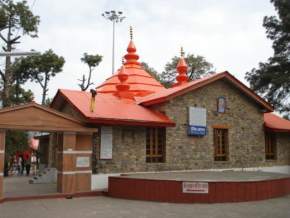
197	66
15	141
18	95
92	61
151	71
40	68
272	78
18	16
16	19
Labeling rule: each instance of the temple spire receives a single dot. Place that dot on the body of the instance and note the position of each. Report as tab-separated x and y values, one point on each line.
131	33
131	57
181	69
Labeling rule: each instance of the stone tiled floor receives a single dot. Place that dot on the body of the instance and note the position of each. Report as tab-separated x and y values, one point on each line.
17	186
104	207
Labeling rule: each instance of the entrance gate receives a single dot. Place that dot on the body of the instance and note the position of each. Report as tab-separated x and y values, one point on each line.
74	148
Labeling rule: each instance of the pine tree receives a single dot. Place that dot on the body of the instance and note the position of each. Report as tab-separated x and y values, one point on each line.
272	79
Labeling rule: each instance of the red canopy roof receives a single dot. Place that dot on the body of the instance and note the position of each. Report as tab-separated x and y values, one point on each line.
275	123
110	109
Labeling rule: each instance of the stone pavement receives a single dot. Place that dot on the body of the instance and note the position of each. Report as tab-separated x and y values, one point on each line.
17	186
105	207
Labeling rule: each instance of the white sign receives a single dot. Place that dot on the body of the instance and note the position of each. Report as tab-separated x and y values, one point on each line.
197	116
106	148
83	162
195	187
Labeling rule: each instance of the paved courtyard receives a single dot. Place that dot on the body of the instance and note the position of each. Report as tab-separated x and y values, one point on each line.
17	186
99	207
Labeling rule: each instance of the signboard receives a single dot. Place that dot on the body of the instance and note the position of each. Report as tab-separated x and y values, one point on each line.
196	130
83	162
196	121
106	148
195	187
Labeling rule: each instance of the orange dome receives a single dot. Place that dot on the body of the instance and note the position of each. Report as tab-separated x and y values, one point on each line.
141	83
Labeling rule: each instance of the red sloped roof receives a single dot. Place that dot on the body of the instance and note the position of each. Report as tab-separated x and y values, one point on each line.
110	109
167	94
141	83
275	123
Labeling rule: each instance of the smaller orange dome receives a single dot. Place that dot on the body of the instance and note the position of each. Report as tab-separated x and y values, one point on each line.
182	69
122	76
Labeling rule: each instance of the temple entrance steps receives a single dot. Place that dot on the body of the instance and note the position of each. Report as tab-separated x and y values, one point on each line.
48	175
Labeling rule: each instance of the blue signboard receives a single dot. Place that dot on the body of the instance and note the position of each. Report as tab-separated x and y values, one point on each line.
196	130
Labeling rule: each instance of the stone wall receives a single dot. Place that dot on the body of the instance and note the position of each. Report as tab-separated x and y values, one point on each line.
283	150
129	145
246	136
243	117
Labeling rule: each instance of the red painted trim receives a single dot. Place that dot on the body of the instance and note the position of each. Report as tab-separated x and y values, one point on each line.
277	130
219	192
130	122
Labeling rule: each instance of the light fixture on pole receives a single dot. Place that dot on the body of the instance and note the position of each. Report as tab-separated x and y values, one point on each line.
19	53
115	17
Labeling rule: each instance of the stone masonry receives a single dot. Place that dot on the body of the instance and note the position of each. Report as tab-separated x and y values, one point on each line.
243	117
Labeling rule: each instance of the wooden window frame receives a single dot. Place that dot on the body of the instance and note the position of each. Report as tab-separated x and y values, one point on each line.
270	146
221	144
155	145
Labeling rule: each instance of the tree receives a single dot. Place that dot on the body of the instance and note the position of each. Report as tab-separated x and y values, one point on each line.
272	78
16	19
92	61
151	71
197	65
40	68
16	140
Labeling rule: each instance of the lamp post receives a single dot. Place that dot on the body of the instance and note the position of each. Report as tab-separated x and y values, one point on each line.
115	17
19	53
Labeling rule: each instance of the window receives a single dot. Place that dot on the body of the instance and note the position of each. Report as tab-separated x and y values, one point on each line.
221	144
155	145
270	146
221	104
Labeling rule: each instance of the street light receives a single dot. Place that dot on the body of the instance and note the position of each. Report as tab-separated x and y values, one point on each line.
19	53
115	17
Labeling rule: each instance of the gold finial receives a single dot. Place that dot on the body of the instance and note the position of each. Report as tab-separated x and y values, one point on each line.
131	33
181	52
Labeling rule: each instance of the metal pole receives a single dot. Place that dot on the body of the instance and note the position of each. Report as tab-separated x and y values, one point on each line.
115	17
113	52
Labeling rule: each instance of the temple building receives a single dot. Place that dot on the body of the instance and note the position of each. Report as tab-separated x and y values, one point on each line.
215	122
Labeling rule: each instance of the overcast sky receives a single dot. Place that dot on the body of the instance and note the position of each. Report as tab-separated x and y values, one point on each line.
228	33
